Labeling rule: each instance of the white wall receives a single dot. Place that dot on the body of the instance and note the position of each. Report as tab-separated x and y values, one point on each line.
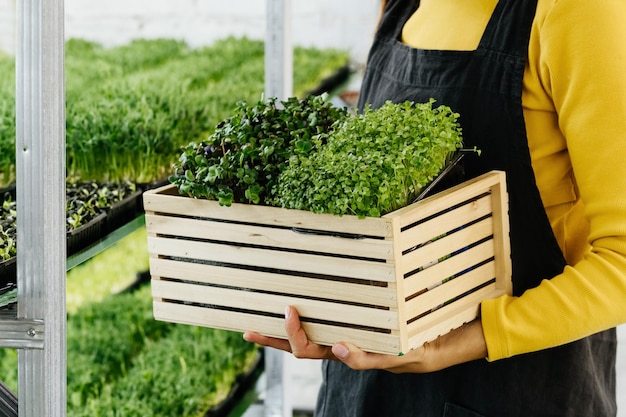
345	24
7	26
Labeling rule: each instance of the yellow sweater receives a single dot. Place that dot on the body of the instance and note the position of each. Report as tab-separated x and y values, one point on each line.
574	100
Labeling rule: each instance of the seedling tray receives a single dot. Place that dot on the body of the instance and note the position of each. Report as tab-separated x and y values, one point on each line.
8	272
86	235
124	211
386	284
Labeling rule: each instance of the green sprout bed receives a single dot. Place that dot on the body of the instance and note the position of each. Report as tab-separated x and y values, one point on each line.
129	109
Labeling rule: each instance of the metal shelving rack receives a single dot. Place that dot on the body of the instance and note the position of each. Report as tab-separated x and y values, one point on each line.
38	330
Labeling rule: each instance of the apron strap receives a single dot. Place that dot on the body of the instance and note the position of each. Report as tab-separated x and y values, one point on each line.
509	27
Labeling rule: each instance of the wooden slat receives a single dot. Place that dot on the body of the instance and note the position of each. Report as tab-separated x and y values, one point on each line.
446	222
263	258
270	326
443	247
166	200
448	198
448	267
266	236
288	284
439	295
502	244
444	325
449	317
275	304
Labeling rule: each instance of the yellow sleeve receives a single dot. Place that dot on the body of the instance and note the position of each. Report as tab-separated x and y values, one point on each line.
583	59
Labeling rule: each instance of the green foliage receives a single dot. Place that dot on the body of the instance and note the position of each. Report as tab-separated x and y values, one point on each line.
374	163
7	120
241	160
131	125
107	273
313	65
8	212
8	368
86	200
184	374
129	109
102	341
121	362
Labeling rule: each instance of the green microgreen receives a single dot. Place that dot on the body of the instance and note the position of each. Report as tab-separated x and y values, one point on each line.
374	162
241	160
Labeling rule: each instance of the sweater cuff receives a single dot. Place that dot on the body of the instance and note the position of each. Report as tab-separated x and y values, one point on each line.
491	310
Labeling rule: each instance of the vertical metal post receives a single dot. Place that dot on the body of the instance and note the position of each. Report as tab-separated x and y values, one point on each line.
278	50
278	83
40	166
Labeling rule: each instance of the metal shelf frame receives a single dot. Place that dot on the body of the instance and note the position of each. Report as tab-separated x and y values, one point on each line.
39	329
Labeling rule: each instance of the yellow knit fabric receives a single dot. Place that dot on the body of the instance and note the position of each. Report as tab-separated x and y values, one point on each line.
574	100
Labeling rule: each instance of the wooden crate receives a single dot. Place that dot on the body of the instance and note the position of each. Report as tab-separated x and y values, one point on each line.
386	284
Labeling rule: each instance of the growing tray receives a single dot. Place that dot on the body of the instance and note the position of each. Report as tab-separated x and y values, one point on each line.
124	211
86	235
8	272
386	284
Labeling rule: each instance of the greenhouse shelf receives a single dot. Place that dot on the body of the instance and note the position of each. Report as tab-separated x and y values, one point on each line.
91	238
18	333
8	270
106	242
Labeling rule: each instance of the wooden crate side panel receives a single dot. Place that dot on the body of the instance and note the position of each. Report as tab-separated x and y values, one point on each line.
238	321
468	243
167	200
277	283
268	236
446	221
264	303
447	291
265	258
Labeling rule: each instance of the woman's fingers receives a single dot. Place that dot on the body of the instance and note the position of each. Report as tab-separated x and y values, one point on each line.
297	341
301	346
357	359
272	342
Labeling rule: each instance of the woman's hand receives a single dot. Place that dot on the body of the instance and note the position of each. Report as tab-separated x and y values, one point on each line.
298	343
460	345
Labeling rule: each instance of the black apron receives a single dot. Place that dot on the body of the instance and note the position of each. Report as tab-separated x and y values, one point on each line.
484	86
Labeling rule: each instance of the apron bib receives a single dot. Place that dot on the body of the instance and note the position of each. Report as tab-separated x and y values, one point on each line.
484	86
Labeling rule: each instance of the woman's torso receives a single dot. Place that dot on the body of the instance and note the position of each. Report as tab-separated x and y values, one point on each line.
428	28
